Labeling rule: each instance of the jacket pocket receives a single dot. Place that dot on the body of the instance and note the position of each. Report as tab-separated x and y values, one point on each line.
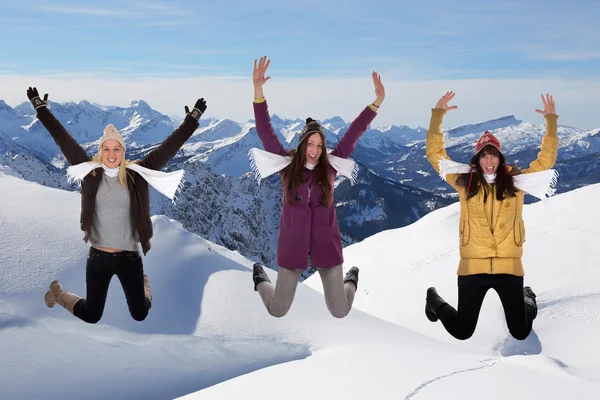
519	232
464	232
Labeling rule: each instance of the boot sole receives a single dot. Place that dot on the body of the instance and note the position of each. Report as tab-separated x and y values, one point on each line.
49	304
430	315
48	298
257	278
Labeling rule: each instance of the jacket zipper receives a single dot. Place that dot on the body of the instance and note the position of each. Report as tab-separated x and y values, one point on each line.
492	219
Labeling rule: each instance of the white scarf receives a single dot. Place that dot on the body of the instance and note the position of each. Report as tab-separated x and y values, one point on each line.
265	164
538	184
167	183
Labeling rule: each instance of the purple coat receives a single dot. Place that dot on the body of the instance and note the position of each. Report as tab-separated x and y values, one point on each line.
307	225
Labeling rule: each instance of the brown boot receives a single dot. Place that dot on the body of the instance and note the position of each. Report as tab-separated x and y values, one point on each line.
68	300
56	294
51	297
147	291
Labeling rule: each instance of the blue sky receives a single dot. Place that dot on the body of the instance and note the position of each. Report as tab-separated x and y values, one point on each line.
409	41
421	39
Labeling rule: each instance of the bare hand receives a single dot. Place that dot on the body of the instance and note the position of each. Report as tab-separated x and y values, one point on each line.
549	106
258	76
379	89
443	102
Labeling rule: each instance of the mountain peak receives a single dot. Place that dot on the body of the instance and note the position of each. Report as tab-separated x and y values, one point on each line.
497	123
141	104
334	121
4	106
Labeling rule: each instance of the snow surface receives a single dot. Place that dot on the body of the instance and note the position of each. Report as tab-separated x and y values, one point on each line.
208	335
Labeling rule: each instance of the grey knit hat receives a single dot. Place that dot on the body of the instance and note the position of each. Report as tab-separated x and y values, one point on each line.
110	132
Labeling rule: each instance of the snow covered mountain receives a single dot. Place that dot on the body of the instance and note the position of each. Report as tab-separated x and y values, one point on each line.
397	185
139	124
577	162
208	336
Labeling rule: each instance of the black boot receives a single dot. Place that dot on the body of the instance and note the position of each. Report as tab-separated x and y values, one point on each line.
352	276
433	301
530	299
259	275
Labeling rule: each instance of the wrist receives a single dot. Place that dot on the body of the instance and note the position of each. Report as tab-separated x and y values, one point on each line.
196	114
37	103
377	102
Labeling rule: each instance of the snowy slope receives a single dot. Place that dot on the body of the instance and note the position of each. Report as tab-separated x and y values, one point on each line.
207	325
561	265
558	360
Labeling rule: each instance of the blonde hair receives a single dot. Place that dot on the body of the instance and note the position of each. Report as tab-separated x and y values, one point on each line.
122	167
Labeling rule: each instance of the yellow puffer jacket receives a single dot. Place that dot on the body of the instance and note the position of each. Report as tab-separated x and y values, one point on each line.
492	233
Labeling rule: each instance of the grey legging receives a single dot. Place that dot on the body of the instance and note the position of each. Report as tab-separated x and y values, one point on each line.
278	299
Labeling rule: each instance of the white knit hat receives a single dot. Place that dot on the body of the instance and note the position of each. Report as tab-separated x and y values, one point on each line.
110	132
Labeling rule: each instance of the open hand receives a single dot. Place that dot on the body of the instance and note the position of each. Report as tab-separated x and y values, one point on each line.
198	110
549	106
443	102
34	97
258	76
379	89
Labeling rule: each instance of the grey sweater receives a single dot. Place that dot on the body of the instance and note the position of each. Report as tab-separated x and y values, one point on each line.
112	225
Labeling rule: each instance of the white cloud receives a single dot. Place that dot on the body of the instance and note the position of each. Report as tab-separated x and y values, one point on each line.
104	12
407	102
567	55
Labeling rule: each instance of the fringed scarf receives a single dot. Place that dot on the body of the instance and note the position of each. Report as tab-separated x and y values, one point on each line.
167	183
265	164
538	184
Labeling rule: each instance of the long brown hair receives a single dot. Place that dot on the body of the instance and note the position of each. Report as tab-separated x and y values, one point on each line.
292	174
475	180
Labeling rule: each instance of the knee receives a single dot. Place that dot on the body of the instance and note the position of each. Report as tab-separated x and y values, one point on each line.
278	313
520	334
464	334
139	315
92	318
339	313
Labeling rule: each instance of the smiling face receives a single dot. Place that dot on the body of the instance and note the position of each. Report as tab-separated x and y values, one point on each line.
314	148
112	153
489	160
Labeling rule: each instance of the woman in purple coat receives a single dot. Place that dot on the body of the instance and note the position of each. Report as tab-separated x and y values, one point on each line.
308	230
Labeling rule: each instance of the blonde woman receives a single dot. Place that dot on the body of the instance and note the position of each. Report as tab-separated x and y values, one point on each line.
115	210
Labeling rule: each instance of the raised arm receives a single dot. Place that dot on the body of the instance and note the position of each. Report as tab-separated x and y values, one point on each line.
547	155
347	143
265	130
160	156
73	152
434	143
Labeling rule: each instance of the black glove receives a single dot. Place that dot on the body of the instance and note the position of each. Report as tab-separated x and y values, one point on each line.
198	110
34	97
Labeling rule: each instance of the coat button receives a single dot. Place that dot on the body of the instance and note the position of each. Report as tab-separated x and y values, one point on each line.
493	247
501	226
506	204
298	198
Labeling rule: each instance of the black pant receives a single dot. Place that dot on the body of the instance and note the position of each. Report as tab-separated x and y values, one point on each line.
472	290
100	268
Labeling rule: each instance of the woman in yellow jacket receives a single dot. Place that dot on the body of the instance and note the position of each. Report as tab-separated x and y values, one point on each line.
491	225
